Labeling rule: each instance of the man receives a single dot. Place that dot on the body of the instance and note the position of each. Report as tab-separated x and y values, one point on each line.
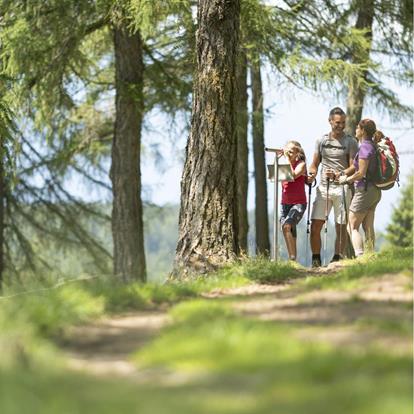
335	153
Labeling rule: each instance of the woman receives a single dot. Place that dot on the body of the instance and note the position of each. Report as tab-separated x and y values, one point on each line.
367	195
293	195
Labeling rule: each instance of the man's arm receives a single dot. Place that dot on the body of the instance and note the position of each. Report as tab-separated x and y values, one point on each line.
313	168
350	169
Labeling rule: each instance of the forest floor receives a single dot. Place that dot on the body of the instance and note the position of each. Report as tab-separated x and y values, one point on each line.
374	312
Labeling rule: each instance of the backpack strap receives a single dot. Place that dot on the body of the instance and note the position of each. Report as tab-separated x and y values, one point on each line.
325	138
321	144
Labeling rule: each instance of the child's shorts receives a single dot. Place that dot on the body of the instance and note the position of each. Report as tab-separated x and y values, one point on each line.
292	214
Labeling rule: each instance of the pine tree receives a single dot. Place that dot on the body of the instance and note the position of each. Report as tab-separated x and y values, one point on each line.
261	214
79	53
208	213
242	150
400	230
7	129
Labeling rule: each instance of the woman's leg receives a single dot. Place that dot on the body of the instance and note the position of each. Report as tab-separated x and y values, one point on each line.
355	220
368	226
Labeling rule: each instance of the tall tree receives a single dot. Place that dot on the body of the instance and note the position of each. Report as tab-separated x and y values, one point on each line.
6	139
261	214
208	213
127	222
70	29
242	150
360	56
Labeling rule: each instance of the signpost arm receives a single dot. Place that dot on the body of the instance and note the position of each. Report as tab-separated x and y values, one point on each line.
276	213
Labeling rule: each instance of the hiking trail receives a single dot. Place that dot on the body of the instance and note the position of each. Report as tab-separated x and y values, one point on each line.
335	316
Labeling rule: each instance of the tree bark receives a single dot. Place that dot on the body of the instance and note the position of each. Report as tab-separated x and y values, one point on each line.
127	222
242	151
261	215
2	205
356	89
208	213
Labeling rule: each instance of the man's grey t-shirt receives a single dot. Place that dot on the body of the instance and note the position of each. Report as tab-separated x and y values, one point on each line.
335	153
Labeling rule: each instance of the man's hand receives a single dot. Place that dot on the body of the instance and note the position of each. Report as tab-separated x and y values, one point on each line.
311	178
330	174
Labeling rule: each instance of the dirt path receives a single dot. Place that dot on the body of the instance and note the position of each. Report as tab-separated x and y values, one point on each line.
351	318
104	347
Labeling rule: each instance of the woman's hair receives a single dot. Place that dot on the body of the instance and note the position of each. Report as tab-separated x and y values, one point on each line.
299	149
368	125
378	136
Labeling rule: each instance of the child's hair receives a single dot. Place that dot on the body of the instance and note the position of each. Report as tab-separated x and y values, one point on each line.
299	149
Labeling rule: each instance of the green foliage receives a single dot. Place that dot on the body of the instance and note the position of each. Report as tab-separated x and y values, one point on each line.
8	141
146	14
400	229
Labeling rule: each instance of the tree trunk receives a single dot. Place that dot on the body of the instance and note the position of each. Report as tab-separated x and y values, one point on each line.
208	213
127	223
356	89
2	204
242	150
261	216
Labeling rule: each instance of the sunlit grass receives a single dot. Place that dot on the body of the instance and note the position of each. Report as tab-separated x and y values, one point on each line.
277	369
392	260
242	365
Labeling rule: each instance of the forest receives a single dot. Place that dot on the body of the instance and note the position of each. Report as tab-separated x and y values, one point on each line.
180	306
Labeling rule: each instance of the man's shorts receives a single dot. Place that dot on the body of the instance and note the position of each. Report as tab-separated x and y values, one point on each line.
292	214
335	200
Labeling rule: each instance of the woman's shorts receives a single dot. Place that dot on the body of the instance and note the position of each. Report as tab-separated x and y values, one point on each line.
292	214
365	199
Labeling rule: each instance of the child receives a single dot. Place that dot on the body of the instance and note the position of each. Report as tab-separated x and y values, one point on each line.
293	195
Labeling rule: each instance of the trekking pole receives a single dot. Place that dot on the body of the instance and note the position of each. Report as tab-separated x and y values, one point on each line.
340	226
326	221
308	221
346	212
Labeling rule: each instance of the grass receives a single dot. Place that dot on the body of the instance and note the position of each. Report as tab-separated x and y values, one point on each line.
245	367
273	370
50	310
239	365
261	270
392	260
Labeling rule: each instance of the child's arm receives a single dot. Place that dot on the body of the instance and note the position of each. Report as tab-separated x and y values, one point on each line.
299	170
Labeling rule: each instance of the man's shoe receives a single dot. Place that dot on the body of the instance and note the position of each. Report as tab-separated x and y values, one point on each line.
336	258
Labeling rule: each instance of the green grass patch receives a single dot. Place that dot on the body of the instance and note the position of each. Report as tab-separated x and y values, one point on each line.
274	368
49	310
261	270
392	260
401	327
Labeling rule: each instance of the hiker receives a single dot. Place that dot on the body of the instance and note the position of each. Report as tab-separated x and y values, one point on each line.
293	195
367	195
335	153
